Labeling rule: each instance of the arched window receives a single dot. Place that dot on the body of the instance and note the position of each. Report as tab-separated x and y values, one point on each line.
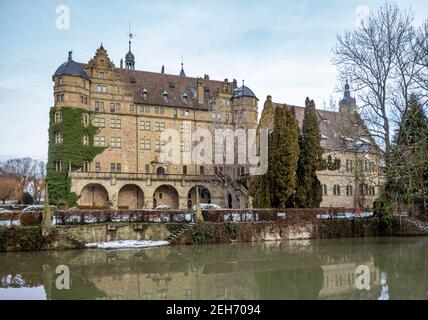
58	137
160	171
349	190
336	190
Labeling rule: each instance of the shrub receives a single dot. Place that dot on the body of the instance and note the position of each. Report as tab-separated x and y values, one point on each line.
27	198
383	214
30	219
202	235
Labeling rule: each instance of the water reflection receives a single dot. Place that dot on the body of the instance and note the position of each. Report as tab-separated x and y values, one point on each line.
319	269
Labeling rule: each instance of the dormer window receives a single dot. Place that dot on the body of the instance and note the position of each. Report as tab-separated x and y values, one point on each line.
144	93
184	97
165	94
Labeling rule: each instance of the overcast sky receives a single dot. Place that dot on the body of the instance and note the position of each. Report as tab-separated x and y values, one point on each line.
280	48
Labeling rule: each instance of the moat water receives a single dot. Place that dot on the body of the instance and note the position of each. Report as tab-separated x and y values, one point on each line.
372	268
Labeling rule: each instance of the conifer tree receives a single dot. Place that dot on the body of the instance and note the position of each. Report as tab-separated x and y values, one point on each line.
308	192
408	176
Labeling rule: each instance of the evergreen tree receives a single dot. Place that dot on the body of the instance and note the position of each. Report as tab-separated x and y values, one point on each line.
277	187
408	176
309	193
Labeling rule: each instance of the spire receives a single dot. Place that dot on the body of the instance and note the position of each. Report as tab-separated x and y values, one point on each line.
182	73
163	69
70	55
347	103
347	93
129	58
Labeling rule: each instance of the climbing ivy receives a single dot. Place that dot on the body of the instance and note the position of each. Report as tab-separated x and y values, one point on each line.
71	152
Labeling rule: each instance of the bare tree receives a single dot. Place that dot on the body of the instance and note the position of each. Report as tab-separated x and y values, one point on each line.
383	62
36	180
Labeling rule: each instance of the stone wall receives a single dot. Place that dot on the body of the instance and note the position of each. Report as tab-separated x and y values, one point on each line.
113	232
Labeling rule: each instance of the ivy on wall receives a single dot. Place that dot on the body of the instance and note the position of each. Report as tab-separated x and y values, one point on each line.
71	152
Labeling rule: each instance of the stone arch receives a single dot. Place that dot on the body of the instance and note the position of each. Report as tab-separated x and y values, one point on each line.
204	195
94	194
130	196
166	195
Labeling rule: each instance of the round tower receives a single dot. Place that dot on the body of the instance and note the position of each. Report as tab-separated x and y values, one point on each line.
72	84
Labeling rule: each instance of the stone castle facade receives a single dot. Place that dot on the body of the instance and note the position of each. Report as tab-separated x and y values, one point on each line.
132	110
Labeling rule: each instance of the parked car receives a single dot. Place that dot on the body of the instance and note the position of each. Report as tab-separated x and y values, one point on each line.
163	207
37	207
207	206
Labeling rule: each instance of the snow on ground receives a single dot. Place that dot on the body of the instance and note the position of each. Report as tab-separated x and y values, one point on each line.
122	244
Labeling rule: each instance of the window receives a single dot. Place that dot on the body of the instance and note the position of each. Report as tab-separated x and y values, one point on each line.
116	143
336	190
60	81
131	107
112	107
99	122
97	167
145	109
349	190
184	97
58	117
324	189
102	62
85	139
160	171
86	100
349	166
159	110
145	125
160	126
115	123
83	83
145	144
216	116
85	119
185	147
58	166
147	168
185	170
101	76
160	145
144	93
185	128
165	94
58	138
86	167
115	167
101	88
81	99
99	106
201	170
185	113
99	141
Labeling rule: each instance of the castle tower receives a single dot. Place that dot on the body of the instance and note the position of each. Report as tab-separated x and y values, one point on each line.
244	103
348	103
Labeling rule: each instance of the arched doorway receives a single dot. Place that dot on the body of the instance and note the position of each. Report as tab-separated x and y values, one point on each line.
166	195
130	197
204	196
94	195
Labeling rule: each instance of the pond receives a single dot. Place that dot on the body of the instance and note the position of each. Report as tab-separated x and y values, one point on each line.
371	268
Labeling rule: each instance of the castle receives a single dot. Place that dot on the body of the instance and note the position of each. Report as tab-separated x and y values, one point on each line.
131	111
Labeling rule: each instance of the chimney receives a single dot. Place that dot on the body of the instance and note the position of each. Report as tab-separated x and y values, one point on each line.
201	94
163	69
70	55
121	63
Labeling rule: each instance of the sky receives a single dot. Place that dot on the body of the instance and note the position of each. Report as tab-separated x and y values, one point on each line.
280	48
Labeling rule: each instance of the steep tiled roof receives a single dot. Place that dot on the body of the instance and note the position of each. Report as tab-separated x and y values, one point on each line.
339	130
175	86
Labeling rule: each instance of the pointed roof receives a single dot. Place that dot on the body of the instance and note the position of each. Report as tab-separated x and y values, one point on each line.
182	73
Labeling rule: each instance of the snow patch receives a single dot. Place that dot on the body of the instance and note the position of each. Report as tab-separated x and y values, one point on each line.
123	244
